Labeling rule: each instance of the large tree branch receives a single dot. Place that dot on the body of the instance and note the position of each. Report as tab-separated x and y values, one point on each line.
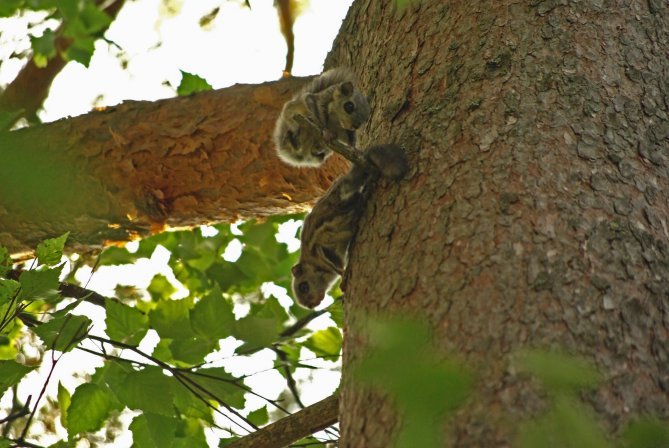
294	427
130	170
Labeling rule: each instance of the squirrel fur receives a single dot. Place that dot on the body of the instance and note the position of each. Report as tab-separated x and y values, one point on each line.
329	228
333	103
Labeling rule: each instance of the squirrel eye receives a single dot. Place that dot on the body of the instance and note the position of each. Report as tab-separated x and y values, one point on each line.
303	288
349	107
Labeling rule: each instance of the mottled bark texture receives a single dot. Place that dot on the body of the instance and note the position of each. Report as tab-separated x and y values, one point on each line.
536	211
123	172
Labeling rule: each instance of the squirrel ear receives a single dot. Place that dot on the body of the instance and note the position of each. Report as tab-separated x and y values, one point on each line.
346	88
297	269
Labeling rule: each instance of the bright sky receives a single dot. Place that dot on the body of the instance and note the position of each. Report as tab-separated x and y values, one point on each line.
159	38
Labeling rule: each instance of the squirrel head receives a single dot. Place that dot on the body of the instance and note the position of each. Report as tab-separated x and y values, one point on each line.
310	284
350	106
298	145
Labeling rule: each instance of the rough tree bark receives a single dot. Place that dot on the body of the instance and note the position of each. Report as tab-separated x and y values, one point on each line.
129	170
536	211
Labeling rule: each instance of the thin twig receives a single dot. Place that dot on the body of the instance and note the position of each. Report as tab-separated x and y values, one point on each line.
301	323
70	290
23	443
349	152
174	371
290	381
23	410
54	361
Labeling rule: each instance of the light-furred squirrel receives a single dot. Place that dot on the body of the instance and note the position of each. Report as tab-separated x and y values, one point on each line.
333	222
331	102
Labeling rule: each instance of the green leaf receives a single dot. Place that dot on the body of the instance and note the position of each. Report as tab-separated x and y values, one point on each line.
45	47
568	425
189	405
68	8
63	444
192	350
170	319
189	442
90	407
337	313
191	429
147	390
169	240
160	287
259	417
113	256
63	333
151	430
8	290
191	84
40	284
646	433
64	401
326	343
223	386
6	443
212	317
11	373
94	19
112	375
9	337
50	251
261	326
9	7
559	372
162	350
81	50
124	323
424	384
5	261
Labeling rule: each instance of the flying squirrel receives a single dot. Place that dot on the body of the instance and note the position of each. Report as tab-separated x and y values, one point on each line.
333	222
334	105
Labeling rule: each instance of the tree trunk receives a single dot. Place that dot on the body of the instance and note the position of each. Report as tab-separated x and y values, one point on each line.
535	214
126	171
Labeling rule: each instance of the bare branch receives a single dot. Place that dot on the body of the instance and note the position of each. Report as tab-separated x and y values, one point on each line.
301	323
294	427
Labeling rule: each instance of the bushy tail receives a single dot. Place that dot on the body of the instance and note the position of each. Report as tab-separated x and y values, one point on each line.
389	159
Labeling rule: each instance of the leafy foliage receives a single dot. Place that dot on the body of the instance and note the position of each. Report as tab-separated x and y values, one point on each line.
174	386
11	373
560	373
425	385
568	423
646	433
83	22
